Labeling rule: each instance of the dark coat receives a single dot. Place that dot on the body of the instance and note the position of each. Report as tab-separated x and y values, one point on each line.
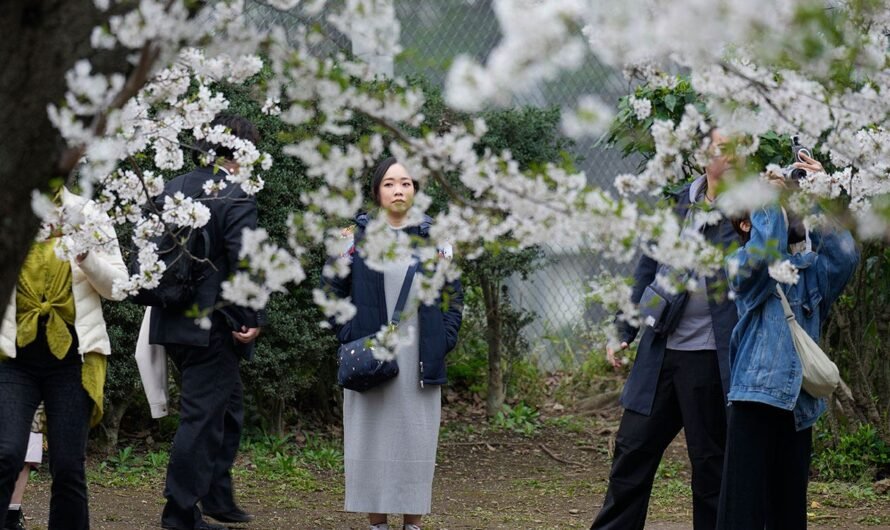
438	329
639	390
230	213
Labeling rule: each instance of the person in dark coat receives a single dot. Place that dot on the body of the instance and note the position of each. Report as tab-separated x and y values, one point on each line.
211	403
678	380
391	431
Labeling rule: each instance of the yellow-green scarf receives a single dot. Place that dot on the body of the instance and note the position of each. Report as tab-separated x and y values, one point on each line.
44	289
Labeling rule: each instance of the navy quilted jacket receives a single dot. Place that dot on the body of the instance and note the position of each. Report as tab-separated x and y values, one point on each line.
439	323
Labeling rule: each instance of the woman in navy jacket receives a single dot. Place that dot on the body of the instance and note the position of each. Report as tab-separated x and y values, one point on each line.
391	431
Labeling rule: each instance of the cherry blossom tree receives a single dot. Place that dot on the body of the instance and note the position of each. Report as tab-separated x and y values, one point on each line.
800	67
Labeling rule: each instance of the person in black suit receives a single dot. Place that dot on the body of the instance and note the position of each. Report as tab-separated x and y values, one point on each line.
211	403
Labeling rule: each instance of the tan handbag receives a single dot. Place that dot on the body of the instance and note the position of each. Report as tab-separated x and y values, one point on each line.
820	374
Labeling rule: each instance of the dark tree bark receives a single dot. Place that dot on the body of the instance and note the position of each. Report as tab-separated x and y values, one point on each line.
110	427
496	389
42	39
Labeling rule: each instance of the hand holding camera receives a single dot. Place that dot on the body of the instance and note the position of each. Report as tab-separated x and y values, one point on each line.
808	164
802	165
803	162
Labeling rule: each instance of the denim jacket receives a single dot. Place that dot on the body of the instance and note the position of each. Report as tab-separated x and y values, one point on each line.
764	366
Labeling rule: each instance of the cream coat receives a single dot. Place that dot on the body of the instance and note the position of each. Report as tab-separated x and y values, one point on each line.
90	279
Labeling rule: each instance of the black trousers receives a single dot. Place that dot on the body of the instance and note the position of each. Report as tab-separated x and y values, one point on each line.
689	396
37	375
210	423
767	470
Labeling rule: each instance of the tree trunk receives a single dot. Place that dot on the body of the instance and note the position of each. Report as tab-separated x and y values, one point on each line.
110	427
276	417
42	39
494	402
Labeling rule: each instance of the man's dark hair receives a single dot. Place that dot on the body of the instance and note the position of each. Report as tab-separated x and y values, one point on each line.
236	125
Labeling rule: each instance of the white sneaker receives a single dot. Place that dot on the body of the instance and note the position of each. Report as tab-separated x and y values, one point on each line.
379	526
411	527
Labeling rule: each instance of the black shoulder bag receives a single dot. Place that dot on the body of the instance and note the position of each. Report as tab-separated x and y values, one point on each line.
359	370
659	308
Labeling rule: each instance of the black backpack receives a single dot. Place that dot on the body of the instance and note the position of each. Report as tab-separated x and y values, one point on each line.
178	284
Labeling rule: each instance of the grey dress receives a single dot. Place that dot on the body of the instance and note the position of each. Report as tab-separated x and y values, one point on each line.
391	431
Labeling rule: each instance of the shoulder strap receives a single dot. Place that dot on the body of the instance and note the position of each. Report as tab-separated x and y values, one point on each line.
403	294
789	315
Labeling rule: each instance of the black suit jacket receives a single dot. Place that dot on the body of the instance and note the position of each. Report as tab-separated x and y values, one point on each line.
231	212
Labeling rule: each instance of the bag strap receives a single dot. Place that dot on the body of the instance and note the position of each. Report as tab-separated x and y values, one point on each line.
403	294
789	315
204	234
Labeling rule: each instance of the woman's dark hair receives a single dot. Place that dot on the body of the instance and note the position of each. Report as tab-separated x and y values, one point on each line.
377	178
236	125
737	225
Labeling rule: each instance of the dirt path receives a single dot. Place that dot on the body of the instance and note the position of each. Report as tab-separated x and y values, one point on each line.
484	480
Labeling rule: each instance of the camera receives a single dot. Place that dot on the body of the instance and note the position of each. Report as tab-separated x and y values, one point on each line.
790	172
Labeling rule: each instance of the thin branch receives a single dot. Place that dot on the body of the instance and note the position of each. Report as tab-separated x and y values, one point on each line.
554	456
154	208
147	58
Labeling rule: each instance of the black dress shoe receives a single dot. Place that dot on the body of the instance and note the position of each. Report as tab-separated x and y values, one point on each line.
204	525
200	525
232	516
15	520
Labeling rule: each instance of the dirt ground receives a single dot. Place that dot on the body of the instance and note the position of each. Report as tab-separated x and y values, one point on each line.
485	479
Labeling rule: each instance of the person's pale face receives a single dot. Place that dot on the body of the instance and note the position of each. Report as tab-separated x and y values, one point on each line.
396	190
719	162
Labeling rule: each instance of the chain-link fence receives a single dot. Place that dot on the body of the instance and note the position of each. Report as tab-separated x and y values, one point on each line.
433	32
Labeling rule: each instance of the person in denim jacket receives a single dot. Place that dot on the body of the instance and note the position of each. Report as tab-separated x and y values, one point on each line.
769	439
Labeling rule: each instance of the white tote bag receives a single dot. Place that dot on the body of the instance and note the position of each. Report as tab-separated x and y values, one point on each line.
820	374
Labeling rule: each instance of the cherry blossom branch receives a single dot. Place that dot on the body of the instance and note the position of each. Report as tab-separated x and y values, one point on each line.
147	58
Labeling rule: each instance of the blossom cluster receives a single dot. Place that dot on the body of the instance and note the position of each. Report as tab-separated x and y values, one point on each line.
749	60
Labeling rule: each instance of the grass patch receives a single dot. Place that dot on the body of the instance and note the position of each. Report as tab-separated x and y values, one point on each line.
571	423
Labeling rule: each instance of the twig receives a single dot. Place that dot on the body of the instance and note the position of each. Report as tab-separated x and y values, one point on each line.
465	444
176	240
148	56
552	455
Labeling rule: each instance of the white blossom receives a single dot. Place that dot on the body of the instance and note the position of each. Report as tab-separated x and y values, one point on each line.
591	118
784	272
180	210
642	107
43	206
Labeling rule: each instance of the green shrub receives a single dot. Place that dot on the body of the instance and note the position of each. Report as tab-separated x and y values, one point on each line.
857	457
521	419
468	363
525	380
323	453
